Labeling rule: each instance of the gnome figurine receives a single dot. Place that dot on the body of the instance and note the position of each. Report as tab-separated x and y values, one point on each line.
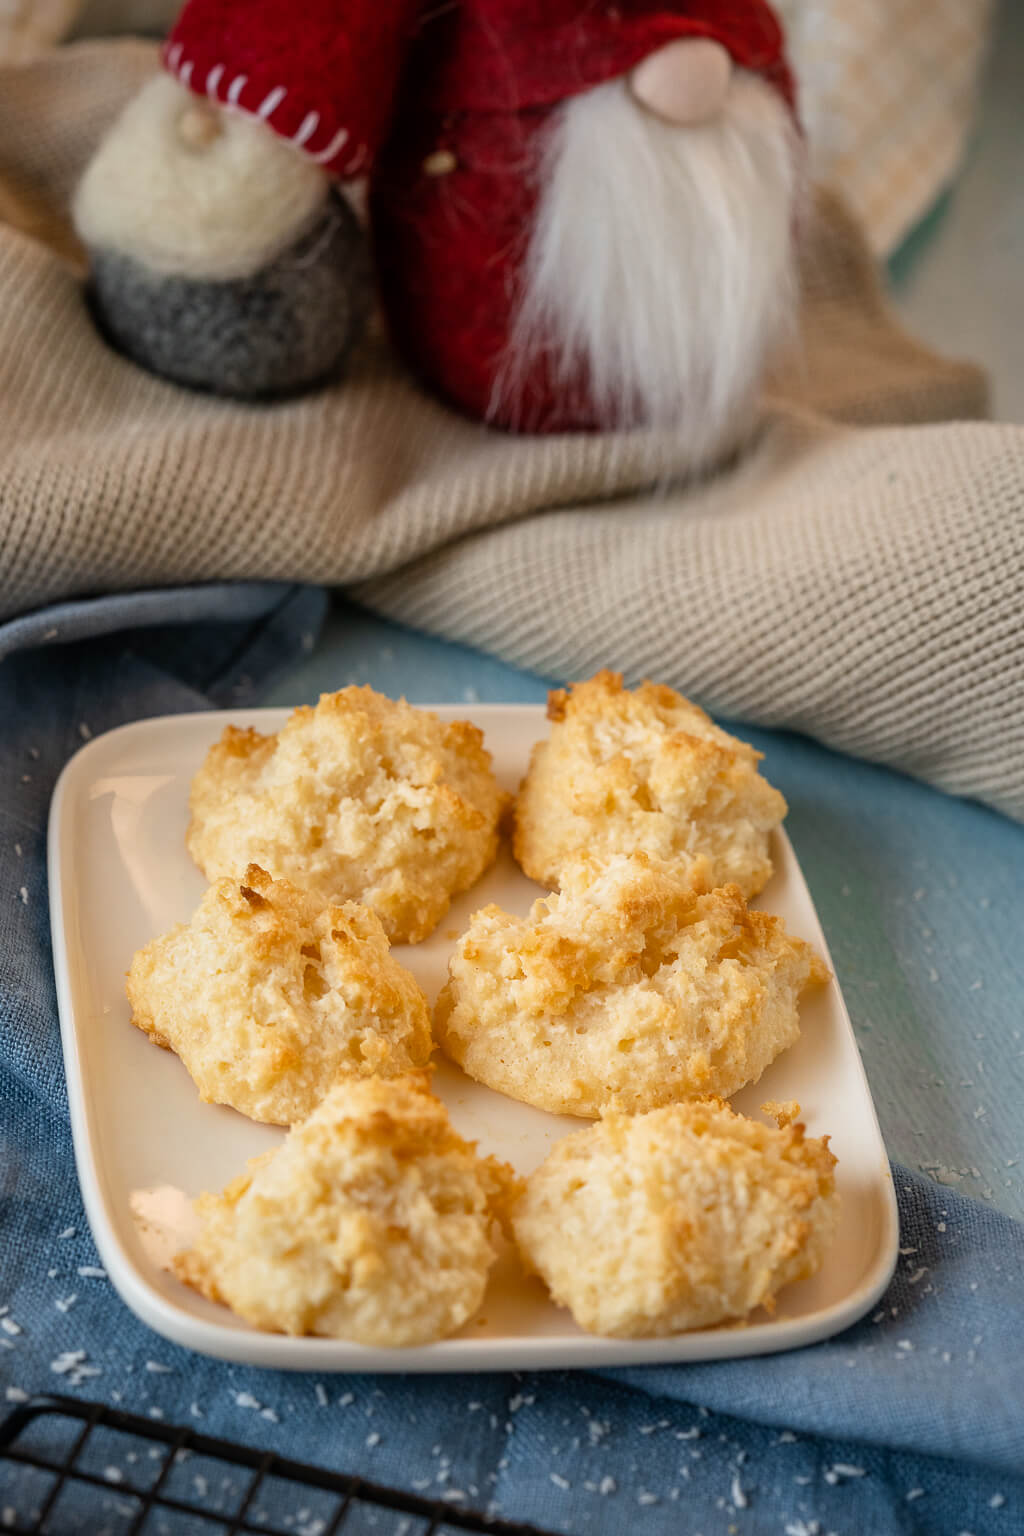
580	216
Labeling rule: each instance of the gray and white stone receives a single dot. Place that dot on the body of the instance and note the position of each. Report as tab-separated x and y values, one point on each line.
278	332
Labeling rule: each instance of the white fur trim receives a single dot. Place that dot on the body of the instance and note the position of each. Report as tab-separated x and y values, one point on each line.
221	212
662	260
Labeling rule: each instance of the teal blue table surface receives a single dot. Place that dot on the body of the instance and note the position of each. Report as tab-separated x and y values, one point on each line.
921	897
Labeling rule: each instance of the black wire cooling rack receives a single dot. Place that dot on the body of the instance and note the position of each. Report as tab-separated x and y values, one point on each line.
73	1468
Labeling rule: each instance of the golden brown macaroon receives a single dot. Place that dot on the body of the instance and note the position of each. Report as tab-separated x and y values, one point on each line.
372	1222
643	771
362	798
629	988
681	1218
269	997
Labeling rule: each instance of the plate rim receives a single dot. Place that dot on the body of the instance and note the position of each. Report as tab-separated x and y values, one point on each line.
285	1352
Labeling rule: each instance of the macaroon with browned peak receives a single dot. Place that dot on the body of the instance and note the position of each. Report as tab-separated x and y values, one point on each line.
373	1222
627	989
270	997
686	1217
363	798
643	771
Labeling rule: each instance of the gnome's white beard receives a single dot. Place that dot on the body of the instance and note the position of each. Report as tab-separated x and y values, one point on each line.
662	261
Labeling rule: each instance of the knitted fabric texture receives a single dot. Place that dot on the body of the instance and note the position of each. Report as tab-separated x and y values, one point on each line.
886	100
857	576
29	26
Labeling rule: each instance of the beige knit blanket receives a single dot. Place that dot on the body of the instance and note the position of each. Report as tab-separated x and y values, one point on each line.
862	583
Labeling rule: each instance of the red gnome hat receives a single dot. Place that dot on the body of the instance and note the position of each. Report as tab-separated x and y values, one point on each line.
324	74
321	74
514	55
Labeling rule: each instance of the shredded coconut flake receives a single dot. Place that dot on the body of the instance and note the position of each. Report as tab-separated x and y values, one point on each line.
72	1364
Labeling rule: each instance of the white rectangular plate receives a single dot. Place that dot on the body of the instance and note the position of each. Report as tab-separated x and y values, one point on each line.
119	875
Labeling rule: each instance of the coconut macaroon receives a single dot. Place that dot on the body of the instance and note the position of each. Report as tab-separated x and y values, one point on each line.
629	988
270	997
643	771
680	1218
372	1222
362	798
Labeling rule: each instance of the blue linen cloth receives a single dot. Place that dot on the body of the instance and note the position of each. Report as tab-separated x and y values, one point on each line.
910	1422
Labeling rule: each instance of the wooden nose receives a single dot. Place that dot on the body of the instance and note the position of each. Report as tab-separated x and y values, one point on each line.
685	82
199	125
